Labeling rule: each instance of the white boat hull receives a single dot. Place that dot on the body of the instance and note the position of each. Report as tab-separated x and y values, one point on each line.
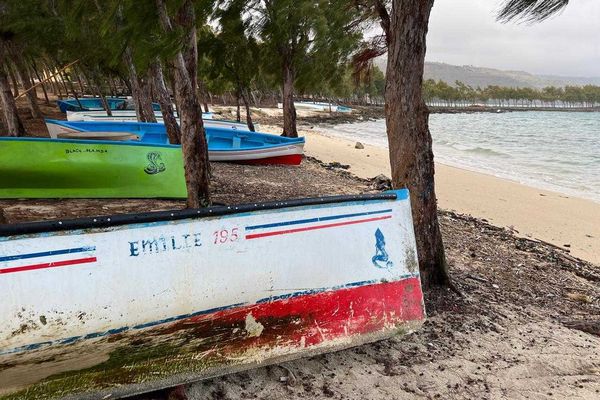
114	306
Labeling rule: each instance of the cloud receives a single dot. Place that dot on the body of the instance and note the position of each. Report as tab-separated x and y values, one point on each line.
465	32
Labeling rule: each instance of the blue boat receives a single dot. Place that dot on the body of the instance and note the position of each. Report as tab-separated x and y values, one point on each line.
224	144
94	104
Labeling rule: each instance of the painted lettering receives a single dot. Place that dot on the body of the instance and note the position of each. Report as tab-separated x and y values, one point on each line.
174	243
150	244
224	236
164	243
185	240
134	249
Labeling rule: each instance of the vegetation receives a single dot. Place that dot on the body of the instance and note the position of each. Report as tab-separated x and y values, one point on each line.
253	50
441	93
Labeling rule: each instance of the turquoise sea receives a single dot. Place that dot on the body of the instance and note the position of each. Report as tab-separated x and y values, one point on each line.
557	151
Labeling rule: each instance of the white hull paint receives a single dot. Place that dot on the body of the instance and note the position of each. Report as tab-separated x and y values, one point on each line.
117	115
214	123
227	291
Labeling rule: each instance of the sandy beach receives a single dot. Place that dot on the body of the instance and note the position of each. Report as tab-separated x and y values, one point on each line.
564	221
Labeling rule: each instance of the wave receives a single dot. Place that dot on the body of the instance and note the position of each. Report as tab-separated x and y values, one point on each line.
484	151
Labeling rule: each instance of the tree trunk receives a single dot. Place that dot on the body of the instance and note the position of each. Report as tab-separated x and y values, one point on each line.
408	133
248	115
103	100
13	79
171	75
166	107
71	86
238	115
193	139
203	94
289	110
23	74
139	90
39	78
186	17
14	126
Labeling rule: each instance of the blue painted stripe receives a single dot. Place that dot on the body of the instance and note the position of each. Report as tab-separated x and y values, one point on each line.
318	219
94	335
48	253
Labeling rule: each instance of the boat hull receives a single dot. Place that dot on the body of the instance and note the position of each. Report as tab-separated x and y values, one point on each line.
44	168
118	310
252	148
94	104
117	115
71	168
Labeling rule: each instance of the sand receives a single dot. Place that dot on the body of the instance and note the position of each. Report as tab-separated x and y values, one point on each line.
565	221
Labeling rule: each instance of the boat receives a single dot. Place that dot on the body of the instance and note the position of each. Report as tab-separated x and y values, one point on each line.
132	164
319	106
116	121
117	115
72	168
114	306
94	104
224	143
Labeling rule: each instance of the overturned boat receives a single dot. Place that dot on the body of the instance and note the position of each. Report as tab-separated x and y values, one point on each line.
106	307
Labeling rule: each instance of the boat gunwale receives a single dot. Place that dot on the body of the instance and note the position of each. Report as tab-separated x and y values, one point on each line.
227	131
300	141
107	221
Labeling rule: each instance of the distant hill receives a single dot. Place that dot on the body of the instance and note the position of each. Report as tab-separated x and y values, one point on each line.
479	76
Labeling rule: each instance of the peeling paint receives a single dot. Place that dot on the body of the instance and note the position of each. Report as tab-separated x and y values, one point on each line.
253	328
189	315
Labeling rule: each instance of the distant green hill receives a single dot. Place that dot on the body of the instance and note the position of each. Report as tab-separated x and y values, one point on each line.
479	76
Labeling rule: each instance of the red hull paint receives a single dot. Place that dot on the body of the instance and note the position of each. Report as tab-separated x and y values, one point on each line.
320	317
292	159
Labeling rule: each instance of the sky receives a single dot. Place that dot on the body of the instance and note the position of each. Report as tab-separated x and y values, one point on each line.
465	32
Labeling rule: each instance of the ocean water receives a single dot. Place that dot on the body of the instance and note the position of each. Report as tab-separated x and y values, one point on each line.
558	151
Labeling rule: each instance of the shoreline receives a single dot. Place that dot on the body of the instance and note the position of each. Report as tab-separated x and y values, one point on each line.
570	223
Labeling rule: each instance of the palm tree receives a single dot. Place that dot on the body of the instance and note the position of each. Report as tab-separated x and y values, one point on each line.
530	10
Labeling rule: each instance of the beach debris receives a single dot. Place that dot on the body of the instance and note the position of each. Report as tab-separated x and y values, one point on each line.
359	146
290	379
381	182
335	164
580	297
588	326
476	278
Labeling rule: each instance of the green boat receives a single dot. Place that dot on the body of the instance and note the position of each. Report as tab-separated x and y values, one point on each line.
57	168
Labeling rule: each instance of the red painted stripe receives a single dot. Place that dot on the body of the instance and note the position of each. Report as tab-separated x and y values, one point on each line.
291	159
311	228
311	319
52	264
